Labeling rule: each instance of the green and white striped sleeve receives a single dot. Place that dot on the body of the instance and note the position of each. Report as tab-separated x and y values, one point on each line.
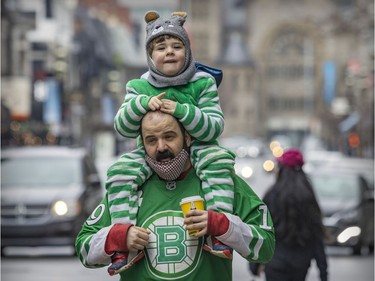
128	117
205	121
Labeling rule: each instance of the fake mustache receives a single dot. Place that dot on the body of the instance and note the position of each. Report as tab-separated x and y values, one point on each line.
164	155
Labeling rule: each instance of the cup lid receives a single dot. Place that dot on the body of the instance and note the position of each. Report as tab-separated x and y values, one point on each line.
190	199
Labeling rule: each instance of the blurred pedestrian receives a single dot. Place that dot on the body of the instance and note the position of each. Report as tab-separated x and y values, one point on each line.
173	85
298	223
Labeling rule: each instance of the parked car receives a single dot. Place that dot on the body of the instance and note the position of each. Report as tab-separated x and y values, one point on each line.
347	203
46	195
364	166
321	160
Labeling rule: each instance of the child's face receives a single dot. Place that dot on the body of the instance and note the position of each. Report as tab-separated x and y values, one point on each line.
169	56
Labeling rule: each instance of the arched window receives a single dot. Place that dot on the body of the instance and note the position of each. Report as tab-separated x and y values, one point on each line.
289	72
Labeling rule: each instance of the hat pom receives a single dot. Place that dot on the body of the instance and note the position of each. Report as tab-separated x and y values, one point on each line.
151	16
292	158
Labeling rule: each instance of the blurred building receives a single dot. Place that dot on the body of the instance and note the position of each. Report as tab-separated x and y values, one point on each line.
35	39
64	69
291	68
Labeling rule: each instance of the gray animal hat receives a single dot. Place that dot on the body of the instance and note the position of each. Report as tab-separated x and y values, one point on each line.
156	26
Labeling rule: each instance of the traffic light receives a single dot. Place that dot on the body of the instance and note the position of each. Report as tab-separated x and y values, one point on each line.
353	140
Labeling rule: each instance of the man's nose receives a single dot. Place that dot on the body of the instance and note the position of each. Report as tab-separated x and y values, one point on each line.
161	145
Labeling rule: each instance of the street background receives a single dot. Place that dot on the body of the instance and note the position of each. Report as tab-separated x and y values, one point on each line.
299	73
40	265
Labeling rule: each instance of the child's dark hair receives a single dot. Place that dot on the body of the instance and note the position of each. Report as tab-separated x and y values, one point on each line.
159	39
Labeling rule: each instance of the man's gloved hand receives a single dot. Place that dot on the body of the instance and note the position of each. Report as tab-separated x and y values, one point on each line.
218	224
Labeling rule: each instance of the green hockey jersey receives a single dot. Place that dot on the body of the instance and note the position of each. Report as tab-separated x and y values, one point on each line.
171	253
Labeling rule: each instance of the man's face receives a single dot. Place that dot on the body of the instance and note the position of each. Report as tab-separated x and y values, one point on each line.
169	56
162	136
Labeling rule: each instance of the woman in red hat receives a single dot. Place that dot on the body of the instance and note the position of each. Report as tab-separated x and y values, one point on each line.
298	223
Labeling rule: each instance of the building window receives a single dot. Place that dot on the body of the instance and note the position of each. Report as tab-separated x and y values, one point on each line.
289	73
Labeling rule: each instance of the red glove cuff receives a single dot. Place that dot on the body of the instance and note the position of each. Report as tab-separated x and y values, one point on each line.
218	224
116	239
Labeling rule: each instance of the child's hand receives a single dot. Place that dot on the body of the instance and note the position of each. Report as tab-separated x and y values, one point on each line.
168	106
155	102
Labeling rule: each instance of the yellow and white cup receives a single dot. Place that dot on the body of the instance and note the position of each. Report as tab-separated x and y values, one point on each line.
192	203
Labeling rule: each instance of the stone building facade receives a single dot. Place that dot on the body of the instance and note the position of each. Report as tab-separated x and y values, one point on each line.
290	67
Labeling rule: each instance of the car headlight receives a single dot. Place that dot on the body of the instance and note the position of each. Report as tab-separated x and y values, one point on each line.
241	152
268	165
65	208
247	172
253	152
348	233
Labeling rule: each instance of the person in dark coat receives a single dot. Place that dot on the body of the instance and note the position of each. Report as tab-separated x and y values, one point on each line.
298	224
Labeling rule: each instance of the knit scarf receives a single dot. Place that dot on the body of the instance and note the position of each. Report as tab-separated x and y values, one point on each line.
159	80
169	170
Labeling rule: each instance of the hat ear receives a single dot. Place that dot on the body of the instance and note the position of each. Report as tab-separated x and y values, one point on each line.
179	17
151	16
180	14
